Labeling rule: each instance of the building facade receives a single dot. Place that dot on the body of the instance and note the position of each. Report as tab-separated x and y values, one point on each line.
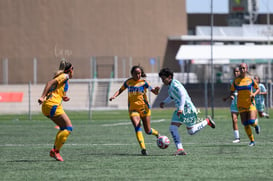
45	31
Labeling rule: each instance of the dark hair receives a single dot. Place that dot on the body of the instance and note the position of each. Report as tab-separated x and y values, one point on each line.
257	77
67	67
141	69
166	72
236	68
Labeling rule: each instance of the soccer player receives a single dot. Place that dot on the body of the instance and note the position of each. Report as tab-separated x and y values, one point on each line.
51	99
233	108
138	104
185	112
259	98
245	85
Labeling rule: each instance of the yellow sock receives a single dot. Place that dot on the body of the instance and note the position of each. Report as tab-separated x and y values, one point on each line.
57	137
154	132
140	139
249	133
61	138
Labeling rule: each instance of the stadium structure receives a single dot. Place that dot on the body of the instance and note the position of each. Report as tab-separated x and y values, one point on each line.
103	47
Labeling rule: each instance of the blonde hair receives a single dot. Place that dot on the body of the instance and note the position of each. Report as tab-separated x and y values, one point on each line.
63	55
61	68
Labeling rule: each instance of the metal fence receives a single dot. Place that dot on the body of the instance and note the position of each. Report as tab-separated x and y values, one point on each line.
37	70
93	94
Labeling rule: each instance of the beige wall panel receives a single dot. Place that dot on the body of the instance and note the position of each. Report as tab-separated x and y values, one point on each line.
39	28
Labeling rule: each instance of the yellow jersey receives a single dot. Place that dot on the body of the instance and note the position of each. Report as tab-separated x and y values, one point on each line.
136	92
58	91
244	86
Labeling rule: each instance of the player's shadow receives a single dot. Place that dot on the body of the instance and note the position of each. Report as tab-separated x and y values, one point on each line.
28	161
124	154
111	154
225	145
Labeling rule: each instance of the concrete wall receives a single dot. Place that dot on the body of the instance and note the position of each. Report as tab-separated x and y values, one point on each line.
79	29
79	94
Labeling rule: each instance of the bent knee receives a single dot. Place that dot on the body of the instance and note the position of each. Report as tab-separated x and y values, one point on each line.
68	128
249	122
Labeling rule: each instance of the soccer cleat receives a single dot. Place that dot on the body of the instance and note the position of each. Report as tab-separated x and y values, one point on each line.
158	135
211	123
257	129
266	115
144	152
180	152
237	140
55	154
252	143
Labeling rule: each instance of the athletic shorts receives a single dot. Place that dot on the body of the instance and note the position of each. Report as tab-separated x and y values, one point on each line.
233	105
142	111
188	117
52	110
233	108
251	108
260	107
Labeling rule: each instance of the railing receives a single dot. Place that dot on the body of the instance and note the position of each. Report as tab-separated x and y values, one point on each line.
82	93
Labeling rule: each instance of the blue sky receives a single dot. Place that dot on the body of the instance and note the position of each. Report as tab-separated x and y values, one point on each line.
221	6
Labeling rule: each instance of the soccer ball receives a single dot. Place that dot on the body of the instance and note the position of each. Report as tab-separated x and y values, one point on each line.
163	142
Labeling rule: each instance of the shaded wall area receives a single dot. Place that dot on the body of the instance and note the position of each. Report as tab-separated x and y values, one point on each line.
197	94
79	29
169	58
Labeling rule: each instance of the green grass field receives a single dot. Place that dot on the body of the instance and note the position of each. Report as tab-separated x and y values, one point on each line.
105	148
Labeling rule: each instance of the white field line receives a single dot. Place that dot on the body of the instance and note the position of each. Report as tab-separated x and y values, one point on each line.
67	144
127	144
129	123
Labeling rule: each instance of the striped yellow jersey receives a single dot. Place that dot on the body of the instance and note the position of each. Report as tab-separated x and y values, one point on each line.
244	86
136	92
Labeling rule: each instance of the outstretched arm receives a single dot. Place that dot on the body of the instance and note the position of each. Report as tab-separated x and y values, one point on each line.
116	94
230	96
155	90
166	101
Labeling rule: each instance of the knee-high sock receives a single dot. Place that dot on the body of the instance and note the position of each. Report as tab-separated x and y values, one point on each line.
153	132
197	127
176	137
249	132
140	137
236	134
57	137
61	138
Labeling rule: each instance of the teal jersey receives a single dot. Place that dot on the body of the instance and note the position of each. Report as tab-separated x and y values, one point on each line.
178	94
182	100
259	99
233	105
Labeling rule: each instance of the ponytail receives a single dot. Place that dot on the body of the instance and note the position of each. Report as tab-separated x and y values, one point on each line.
62	68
